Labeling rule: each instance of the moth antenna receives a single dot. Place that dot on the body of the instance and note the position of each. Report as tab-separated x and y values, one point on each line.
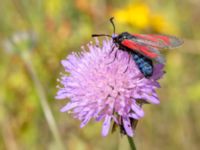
95	35
112	22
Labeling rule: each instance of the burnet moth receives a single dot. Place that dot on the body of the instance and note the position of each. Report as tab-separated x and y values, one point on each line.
144	48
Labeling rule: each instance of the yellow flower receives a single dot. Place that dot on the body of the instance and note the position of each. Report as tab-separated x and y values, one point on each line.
137	15
161	25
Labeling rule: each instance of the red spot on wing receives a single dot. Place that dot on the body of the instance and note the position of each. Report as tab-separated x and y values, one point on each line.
158	41
139	48
166	39
146	37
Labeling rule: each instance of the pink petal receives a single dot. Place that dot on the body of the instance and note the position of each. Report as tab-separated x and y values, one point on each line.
127	126
85	121
134	116
138	110
68	107
151	99
106	126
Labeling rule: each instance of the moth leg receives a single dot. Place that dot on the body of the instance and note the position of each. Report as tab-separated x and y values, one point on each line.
114	57
129	59
113	47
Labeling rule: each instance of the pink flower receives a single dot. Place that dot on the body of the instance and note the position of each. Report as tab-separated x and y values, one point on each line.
107	88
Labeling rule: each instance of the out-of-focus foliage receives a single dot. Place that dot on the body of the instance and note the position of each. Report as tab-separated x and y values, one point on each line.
46	31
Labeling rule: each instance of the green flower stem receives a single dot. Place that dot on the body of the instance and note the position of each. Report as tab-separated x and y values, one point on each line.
43	100
131	143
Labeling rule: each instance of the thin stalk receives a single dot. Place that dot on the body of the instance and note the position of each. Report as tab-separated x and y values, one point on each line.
43	100
131	143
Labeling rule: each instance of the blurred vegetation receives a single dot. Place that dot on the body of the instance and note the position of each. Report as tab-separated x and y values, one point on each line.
35	35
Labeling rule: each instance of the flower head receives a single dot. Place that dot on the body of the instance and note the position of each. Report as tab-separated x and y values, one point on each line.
104	85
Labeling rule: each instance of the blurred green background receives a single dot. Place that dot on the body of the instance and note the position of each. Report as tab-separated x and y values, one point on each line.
36	34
